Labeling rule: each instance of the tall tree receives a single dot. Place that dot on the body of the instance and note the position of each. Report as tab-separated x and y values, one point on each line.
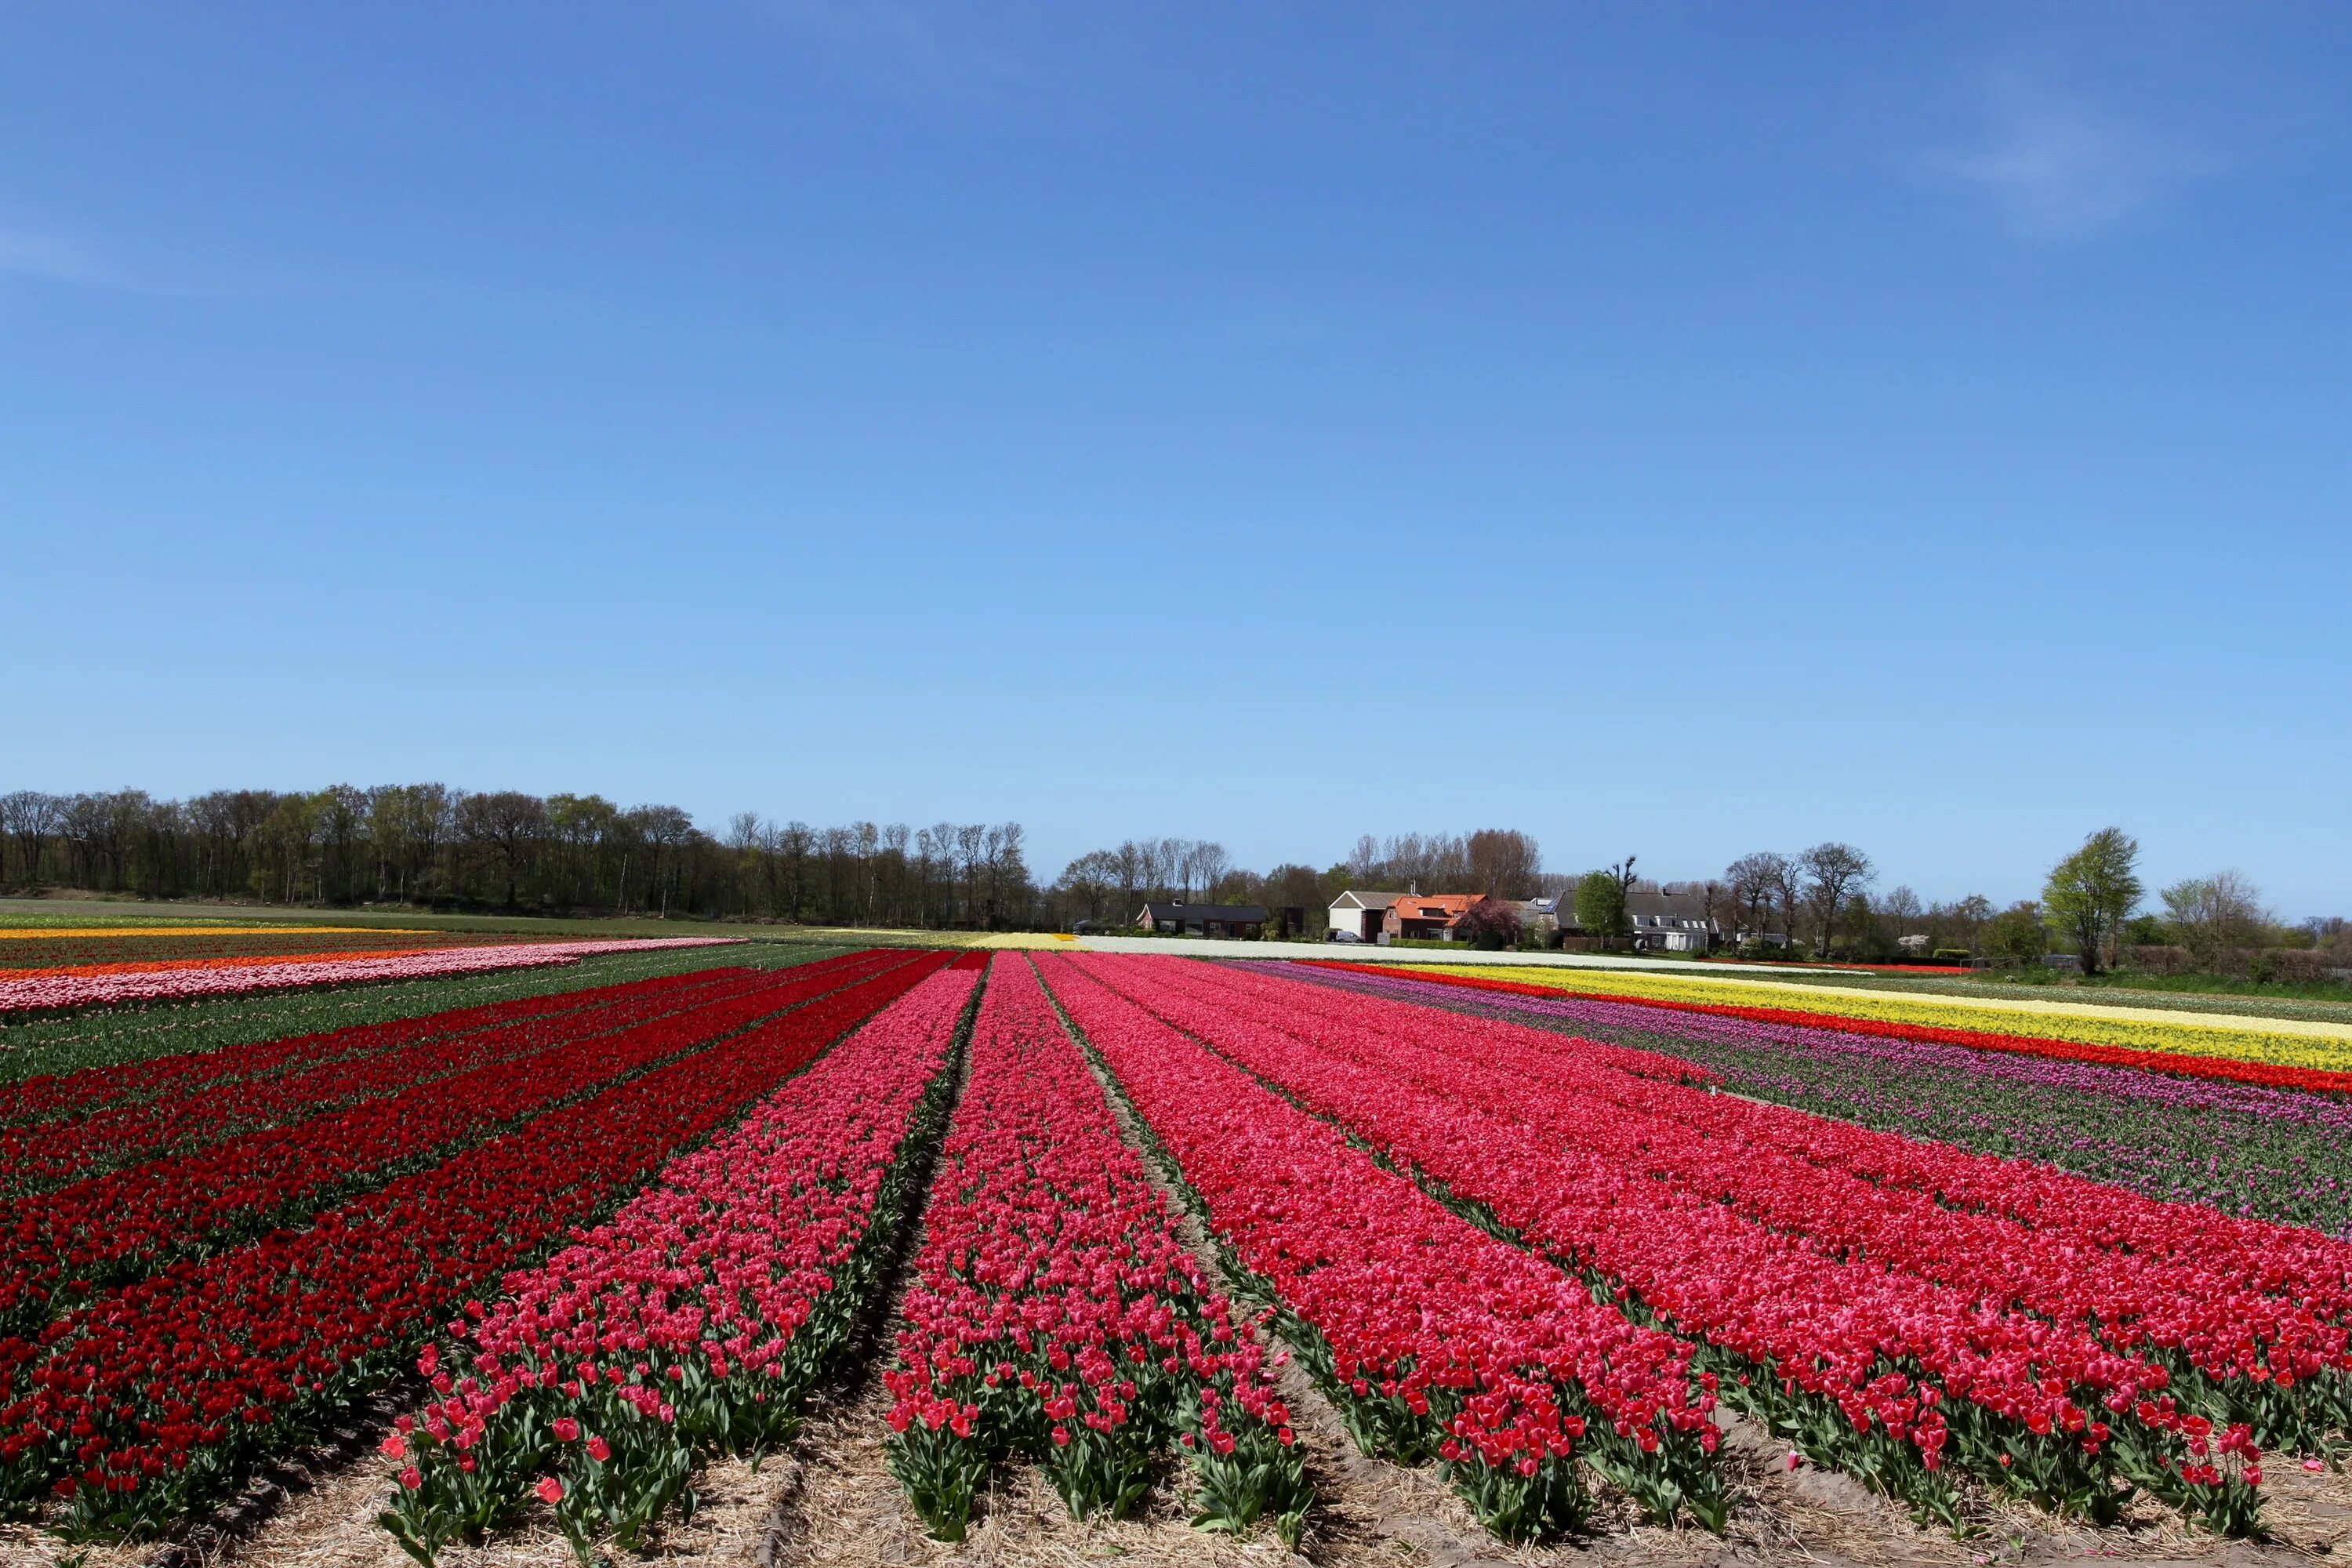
507	827
2213	915
2019	932
1755	880
1834	872
2093	891
1970	915
1601	905
1504	862
31	818
1211	866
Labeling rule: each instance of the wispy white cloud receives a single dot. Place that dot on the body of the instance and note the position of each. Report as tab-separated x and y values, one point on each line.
33	253
56	256
2056	166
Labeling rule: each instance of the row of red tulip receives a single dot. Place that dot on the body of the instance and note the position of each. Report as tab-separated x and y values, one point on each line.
1057	1317
2312	1268
2247	1316
1885	1372
87	1089
117	1225
696	1318
1437	1340
164	1393
156	985
46	1154
2257	1307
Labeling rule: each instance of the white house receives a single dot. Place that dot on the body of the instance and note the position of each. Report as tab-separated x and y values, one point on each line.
1671	922
1361	914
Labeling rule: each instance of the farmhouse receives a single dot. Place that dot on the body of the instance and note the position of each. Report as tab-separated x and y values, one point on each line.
1181	919
1672	922
1427	916
1660	923
1359	913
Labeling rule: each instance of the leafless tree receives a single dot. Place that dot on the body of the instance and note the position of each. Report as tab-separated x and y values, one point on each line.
1833	871
1900	914
31	818
1504	862
1788	891
1211	865
1715	897
1754	880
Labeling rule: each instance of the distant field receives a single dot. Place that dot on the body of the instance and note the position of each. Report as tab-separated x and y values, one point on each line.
103	1037
35	948
72	912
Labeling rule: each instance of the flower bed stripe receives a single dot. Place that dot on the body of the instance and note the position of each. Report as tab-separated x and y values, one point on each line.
53	1094
44	1155
2277	1259
1437	1340
2252	1153
164	1393
1885	1373
1056	1315
2174	1282
2200	1054
698	1318
26	959
226	960
117	1225
2220	1023
209	977
182	929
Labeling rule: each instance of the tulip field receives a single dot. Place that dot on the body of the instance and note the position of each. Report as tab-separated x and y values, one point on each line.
151	978
1148	1230
2270	1053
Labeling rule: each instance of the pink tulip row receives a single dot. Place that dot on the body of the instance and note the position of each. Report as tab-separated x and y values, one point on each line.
1818	1296
1057	1317
183	984
1437	1340
696	1318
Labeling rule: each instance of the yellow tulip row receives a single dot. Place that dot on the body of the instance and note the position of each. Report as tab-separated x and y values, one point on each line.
2287	1042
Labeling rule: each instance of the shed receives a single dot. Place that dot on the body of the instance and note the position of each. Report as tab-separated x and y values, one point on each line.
1177	918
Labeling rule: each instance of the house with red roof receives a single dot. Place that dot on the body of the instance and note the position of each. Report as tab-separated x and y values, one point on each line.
1427	917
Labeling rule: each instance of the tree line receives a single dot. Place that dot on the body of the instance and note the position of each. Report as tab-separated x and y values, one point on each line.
436	846
432	845
2093	908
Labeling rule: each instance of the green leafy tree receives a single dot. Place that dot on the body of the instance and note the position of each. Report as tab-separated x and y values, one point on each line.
2215	915
2093	891
1601	905
2017	932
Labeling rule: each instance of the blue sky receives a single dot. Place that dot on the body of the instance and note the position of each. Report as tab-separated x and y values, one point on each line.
1677	430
